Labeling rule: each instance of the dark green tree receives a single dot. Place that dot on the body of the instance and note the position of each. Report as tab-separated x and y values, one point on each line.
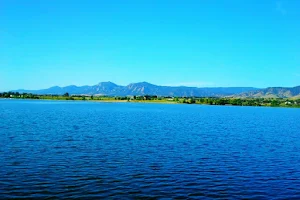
66	94
275	103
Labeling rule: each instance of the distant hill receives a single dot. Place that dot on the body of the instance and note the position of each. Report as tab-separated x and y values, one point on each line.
273	92
142	88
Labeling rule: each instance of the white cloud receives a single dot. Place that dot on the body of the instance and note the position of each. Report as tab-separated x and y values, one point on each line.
280	8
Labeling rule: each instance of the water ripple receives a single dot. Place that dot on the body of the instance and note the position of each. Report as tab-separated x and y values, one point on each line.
140	151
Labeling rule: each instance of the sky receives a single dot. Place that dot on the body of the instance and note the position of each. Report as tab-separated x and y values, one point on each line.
203	43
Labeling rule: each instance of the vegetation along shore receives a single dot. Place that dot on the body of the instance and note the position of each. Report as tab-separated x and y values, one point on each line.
234	101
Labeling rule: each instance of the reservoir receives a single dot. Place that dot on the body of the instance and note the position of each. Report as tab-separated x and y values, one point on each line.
67	149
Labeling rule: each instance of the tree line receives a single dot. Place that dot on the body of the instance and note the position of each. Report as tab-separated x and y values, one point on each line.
185	100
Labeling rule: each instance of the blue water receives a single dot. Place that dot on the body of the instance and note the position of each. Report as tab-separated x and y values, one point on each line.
60	149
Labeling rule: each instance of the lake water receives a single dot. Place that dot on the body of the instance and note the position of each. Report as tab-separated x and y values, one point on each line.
63	149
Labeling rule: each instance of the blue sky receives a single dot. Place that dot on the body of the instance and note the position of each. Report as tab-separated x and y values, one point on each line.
165	42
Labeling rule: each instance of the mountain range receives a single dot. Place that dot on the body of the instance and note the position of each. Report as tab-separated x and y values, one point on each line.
273	92
141	88
144	88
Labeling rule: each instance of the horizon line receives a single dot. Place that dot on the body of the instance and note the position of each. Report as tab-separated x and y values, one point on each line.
160	85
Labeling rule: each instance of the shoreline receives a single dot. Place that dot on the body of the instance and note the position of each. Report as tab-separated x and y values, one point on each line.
97	101
146	102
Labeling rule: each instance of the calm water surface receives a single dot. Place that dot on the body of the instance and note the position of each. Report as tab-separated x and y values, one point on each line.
131	151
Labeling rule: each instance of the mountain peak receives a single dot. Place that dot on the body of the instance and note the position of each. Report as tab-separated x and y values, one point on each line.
141	84
107	83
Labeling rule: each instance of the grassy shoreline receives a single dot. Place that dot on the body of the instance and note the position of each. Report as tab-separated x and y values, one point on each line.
99	101
198	101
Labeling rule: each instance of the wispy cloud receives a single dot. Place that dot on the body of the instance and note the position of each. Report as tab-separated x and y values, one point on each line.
193	84
280	8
